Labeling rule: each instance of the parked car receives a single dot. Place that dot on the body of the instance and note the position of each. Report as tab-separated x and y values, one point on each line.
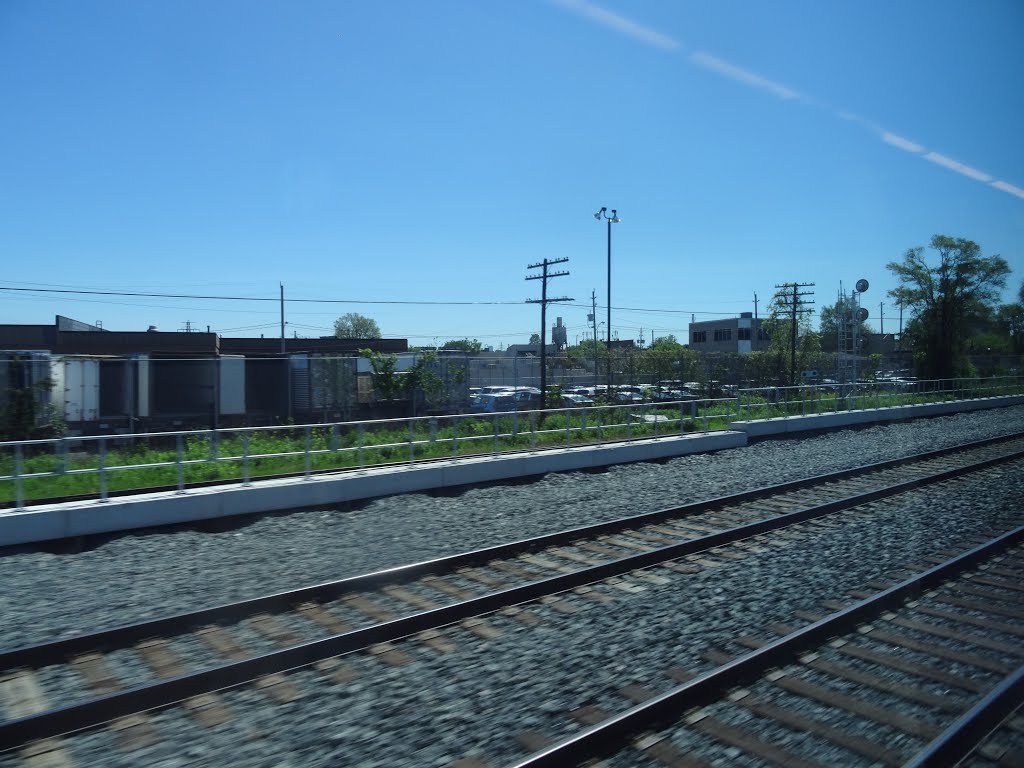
576	401
627	398
492	403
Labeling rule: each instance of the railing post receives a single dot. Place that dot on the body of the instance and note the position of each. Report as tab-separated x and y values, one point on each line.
62	452
309	456
103	470
180	466
359	445
494	423
214	445
628	410
334	438
245	458
455	436
568	428
412	448
533	430
19	490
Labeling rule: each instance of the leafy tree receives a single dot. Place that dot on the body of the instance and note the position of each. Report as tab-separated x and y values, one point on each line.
946	298
832	316
356	326
779	327
1009	324
470	347
385	377
534	338
420	381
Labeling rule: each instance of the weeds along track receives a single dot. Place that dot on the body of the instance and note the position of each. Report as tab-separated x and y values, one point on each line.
926	671
114	676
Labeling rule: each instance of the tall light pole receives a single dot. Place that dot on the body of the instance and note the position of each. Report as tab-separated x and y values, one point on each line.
613	219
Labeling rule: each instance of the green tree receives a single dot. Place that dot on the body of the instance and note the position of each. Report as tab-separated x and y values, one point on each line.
832	316
356	326
946	298
420	381
385	377
470	347
534	338
779	327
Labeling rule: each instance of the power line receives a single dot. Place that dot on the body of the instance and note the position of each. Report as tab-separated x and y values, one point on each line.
252	298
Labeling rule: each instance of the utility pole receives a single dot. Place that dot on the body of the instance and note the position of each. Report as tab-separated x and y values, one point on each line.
282	317
901	323
881	318
544	276
756	333
593	319
795	303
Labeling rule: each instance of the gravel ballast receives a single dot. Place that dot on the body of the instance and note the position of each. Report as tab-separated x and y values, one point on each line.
49	592
443	707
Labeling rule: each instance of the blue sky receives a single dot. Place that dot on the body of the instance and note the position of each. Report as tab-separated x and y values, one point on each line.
408	152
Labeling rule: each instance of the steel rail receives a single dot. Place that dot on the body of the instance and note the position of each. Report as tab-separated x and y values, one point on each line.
960	739
74	717
663	710
41	654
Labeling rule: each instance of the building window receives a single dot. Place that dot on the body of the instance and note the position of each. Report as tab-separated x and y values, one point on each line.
743	334
723	334
700	337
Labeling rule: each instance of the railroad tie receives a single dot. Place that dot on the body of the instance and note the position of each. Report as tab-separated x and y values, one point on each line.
279	688
209	709
336	671
369	608
21	696
746	742
589	715
447	588
533	741
388	654
481	628
324	618
134	731
436	640
48	753
522	615
271	628
593	594
662	750
804	724
488	580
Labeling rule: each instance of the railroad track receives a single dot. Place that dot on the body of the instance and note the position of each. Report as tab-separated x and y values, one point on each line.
126	671
924	672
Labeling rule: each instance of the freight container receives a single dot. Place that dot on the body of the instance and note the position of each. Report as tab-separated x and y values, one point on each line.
81	401
232	385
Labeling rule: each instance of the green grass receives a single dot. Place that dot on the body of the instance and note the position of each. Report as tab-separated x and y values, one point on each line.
388	442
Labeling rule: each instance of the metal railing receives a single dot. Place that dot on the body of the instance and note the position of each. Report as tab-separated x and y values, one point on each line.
96	466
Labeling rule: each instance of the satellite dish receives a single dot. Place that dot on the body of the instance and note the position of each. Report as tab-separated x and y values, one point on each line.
862	314
862	285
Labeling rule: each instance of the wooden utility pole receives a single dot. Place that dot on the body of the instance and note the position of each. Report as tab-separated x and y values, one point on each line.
795	303
544	276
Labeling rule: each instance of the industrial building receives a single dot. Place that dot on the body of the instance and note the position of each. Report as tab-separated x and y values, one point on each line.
95	381
735	334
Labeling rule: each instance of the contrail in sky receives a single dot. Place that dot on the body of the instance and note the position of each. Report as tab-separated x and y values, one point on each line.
655	39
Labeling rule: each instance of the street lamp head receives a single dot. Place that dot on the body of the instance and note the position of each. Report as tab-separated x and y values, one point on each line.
598	214
615	218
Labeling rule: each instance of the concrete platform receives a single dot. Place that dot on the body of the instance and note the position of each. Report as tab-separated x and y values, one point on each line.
791	424
144	510
58	521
